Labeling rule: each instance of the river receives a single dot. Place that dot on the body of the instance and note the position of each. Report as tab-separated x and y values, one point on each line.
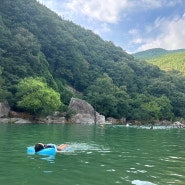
100	156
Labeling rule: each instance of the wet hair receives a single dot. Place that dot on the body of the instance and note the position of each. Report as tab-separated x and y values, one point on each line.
38	147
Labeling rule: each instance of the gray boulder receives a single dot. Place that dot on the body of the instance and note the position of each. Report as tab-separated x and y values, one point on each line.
4	109
85	113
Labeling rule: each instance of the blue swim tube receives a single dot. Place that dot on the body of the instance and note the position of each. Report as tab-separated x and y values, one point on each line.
45	151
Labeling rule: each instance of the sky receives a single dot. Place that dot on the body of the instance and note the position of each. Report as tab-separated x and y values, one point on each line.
134	25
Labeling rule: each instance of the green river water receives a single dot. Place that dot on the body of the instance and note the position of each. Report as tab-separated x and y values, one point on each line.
100	156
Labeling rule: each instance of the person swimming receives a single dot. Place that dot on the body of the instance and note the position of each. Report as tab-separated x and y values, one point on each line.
40	146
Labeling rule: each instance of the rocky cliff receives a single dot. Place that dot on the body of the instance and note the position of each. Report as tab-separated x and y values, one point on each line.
4	109
84	112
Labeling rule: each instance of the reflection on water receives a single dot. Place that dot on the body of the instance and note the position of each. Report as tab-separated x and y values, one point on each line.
87	147
49	158
138	182
110	155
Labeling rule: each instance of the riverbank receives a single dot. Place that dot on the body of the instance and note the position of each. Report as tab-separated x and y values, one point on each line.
62	120
81	112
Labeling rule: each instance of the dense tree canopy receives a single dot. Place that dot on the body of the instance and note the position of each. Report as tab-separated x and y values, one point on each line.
36	43
36	97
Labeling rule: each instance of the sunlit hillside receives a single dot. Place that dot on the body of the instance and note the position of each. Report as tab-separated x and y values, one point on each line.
170	62
154	53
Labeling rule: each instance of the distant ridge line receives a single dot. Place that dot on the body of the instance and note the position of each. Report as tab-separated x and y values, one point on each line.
154	53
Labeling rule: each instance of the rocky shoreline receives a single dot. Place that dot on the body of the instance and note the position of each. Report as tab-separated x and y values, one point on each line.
81	113
62	120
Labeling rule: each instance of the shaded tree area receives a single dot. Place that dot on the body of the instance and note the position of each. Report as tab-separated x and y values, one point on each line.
36	42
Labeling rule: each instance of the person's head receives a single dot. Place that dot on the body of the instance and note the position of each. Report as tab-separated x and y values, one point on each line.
39	146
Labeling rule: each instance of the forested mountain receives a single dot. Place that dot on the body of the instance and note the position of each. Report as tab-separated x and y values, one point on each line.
170	62
154	53
35	42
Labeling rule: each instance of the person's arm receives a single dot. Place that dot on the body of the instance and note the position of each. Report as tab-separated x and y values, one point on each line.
62	147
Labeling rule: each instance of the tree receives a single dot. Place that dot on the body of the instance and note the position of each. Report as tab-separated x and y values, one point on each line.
123	99
150	110
1	82
4	93
36	97
165	108
156	109
102	95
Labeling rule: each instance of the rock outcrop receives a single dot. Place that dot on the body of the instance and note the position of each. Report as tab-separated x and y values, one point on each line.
116	121
4	109
84	113
54	119
14	120
178	124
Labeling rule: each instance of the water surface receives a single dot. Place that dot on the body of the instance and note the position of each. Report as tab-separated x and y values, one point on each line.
100	156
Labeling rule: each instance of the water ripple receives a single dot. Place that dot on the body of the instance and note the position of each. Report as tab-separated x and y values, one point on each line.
138	182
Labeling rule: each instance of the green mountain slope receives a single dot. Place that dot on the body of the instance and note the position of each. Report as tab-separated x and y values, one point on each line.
153	53
36	42
170	62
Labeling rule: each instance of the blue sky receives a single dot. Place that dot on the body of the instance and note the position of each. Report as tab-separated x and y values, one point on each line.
134	25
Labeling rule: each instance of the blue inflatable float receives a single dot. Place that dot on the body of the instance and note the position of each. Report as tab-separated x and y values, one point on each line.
45	151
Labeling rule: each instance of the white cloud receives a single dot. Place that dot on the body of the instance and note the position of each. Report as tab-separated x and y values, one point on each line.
174	2
101	10
149	4
52	4
100	15
171	35
104	28
134	32
109	11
